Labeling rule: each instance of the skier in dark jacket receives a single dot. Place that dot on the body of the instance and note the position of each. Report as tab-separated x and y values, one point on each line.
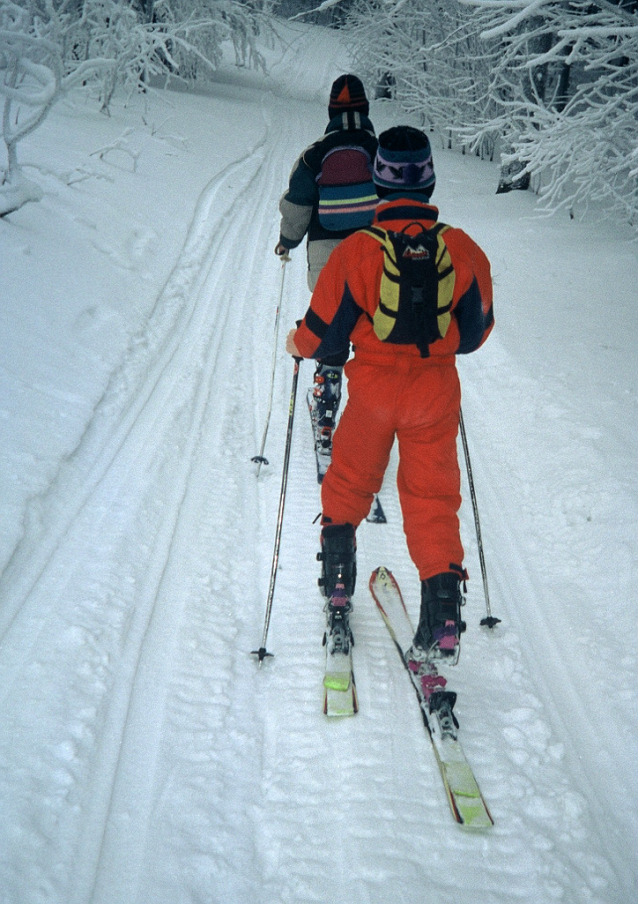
330	195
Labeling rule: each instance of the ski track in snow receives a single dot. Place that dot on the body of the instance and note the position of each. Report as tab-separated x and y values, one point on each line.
163	765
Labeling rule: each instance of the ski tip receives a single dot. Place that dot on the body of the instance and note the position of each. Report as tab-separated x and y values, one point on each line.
341	703
474	817
381	573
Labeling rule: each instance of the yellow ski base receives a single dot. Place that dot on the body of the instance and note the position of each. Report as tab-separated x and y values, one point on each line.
337	681
341	702
464	795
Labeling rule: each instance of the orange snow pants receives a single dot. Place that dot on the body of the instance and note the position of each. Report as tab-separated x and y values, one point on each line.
418	401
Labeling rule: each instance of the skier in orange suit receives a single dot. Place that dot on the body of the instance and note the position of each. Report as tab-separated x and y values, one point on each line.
395	391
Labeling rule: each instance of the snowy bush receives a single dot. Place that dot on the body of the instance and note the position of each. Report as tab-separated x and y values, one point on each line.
333	13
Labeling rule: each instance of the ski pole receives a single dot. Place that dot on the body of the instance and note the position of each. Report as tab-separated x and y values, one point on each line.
261	653
260	457
490	621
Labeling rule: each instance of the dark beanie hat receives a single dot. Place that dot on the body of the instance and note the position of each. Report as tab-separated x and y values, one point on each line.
347	93
404	162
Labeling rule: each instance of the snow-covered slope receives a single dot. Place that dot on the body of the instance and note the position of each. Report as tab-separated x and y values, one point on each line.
144	757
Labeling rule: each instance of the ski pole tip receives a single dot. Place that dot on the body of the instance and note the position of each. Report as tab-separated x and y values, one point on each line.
259	459
490	621
261	654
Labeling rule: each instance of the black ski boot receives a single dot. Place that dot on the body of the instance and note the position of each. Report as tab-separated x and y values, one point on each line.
338	636
440	625
338	559
326	396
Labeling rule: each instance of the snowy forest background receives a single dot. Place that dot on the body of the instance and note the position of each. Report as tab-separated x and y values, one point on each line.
550	88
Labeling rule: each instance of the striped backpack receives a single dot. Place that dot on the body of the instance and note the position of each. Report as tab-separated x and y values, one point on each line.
417	286
347	196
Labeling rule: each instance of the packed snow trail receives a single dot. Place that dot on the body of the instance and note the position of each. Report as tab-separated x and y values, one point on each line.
146	433
144	757
142	482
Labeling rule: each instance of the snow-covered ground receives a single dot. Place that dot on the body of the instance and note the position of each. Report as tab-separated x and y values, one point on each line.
144	756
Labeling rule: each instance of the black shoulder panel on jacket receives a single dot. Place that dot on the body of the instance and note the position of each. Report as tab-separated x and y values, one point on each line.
471	320
336	336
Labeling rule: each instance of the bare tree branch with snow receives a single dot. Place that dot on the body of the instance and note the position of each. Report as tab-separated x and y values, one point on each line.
48	47
552	85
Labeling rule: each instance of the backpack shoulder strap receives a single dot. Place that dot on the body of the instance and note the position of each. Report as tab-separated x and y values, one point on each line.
390	264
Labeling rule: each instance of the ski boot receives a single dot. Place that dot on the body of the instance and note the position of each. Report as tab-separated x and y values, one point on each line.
338	636
337	582
326	396
338	559
440	624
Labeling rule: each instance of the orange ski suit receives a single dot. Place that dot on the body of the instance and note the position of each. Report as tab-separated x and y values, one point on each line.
394	392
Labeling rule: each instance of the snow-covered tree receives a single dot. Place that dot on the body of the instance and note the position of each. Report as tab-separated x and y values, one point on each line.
553	84
33	76
424	55
566	92
208	24
333	13
48	47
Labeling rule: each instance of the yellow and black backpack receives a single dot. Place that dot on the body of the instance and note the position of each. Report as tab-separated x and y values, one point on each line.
416	287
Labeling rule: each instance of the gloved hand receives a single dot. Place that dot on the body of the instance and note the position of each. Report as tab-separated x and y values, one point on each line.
291	347
282	252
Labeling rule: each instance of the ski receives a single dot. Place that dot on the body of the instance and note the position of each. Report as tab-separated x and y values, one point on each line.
341	702
436	703
340	691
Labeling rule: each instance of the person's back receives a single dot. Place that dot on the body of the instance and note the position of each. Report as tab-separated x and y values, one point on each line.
330	195
359	262
348	128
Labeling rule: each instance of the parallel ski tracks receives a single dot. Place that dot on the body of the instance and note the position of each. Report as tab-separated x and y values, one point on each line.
215	336
134	485
128	398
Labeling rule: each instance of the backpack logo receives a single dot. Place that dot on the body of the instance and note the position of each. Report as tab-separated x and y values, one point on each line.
417	286
347	196
419	253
